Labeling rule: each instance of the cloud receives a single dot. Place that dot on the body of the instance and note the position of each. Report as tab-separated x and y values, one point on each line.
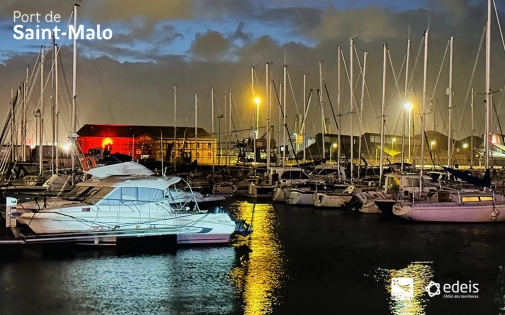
210	46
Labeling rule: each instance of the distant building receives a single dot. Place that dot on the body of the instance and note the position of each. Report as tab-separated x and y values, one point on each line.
149	142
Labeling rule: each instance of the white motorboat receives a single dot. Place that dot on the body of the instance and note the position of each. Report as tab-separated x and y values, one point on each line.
128	203
278	177
334	199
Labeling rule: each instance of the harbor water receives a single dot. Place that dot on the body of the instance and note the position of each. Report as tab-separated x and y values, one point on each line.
298	260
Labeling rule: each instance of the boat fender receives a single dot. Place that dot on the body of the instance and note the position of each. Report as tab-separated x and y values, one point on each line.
350	190
88	163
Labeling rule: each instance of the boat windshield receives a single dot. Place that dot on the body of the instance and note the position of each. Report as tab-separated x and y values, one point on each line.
88	194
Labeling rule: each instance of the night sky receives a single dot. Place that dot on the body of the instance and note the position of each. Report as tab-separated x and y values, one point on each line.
204	44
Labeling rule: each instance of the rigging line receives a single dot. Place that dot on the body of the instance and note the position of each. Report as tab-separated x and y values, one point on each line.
236	109
232	121
286	125
334	117
394	74
100	79
293	93
439	73
468	91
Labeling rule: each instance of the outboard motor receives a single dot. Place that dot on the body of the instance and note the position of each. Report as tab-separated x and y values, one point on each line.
354	204
242	228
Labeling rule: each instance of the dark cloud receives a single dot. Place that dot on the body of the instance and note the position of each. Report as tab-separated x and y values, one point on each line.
210	46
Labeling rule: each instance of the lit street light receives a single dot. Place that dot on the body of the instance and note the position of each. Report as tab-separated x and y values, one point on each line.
257	101
332	149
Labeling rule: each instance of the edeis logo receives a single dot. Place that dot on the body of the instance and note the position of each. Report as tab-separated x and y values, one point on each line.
454	291
402	288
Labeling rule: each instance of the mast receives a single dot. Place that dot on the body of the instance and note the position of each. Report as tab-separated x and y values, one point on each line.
488	81
405	109
304	113
383	105
323	134
74	95
423	109
449	133
196	125
267	105
175	128
41	125
23	117
13	124
361	108
284	116
228	159
351	80
213	135
256	114
161	149
473	130
339	146
56	109
53	117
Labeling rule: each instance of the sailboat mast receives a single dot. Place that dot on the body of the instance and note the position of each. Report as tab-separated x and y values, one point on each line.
74	94
56	109
228	158
323	124
383	104
213	135
423	109
41	124
53	118
284	115
351	83
175	129
488	82
196	126
339	145
304	113
473	130
23	115
267	105
361	108
406	102
449	133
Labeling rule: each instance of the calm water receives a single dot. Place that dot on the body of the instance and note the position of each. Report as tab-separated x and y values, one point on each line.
297	261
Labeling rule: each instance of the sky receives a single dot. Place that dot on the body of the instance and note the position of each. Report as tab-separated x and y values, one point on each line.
200	45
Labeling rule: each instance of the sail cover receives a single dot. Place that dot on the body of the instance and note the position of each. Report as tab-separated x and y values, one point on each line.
474	180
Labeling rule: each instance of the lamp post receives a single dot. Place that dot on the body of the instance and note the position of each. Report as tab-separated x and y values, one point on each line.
332	149
408	106
257	101
219	139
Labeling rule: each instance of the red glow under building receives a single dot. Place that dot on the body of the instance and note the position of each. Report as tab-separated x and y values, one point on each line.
155	142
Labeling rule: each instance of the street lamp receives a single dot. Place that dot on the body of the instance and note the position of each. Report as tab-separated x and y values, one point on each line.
257	101
408	106
332	149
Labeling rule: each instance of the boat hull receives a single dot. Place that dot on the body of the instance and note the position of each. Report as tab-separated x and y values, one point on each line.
451	212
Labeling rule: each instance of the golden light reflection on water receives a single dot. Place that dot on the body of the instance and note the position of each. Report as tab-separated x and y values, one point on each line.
421	273
261	271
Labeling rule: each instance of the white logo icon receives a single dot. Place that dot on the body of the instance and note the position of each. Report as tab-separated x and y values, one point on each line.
433	289
402	288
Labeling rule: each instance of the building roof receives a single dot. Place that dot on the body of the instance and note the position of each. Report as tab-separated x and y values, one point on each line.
125	131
